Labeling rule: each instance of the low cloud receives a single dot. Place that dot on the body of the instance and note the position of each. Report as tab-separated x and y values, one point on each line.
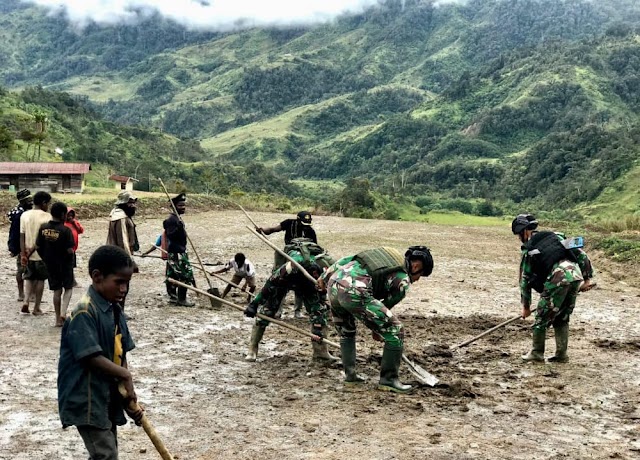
206	14
220	15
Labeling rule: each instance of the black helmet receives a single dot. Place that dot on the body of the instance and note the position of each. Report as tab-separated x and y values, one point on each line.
419	253
523	222
304	217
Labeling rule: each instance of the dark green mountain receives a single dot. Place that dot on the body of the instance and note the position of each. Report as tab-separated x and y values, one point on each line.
497	99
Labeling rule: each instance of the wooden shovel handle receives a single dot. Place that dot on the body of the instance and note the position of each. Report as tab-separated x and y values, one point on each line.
259	315
487	332
146	425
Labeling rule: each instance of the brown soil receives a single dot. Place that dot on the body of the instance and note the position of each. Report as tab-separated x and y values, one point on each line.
208	403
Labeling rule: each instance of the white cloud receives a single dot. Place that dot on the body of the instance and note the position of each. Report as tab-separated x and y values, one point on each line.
206	14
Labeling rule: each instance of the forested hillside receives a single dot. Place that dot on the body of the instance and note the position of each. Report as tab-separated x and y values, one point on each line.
509	101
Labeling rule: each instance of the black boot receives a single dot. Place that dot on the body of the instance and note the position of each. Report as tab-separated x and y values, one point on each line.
391	359
348	350
172	292
562	342
256	336
182	298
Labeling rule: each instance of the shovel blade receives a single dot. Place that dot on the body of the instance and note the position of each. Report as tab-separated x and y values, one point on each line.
421	374
214	302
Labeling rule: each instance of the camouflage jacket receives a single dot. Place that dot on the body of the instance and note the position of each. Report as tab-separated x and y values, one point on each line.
572	272
349	272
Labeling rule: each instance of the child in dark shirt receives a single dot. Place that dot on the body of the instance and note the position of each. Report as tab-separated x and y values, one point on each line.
93	356
54	244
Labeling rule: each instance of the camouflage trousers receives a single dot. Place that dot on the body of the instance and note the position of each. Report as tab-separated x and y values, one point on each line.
275	289
179	268
557	301
348	303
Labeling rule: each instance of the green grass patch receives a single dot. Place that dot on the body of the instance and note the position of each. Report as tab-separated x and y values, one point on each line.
412	213
620	249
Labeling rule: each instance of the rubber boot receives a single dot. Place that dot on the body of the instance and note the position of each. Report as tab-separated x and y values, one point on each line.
182	298
537	351
562	342
321	350
348	350
256	336
391	359
172	292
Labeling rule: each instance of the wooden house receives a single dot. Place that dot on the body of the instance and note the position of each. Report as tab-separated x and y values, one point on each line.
123	182
48	177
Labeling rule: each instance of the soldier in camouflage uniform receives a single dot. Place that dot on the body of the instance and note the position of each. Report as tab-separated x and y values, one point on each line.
558	274
366	286
287	277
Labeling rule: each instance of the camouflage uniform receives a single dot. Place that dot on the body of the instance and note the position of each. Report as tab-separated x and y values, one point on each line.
350	291
179	268
287	277
558	299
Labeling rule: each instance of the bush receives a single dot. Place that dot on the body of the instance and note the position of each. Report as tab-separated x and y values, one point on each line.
487	208
423	201
456	204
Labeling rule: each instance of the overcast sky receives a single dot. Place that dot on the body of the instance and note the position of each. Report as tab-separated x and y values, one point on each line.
210	14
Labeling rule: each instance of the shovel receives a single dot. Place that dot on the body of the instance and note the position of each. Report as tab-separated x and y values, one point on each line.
420	373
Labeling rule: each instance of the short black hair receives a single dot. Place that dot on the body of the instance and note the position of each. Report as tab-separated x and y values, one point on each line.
59	210
239	258
41	198
109	259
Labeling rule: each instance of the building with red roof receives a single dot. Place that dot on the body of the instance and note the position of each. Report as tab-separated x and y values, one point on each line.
49	177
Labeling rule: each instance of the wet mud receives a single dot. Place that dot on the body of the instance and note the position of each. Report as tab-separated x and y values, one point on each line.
208	403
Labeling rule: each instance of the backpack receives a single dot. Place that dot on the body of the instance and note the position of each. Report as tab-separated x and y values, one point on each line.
544	250
311	252
379	263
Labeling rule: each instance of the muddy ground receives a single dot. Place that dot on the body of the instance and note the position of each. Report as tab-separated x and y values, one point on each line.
207	403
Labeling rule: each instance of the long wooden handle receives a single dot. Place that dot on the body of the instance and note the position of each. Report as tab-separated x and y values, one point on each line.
229	282
285	255
259	315
147	426
173	206
248	216
487	332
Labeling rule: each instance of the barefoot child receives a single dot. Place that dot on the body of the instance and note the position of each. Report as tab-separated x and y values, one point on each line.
93	356
55	247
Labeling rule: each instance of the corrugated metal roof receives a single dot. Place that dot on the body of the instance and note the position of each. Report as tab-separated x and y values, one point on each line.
44	168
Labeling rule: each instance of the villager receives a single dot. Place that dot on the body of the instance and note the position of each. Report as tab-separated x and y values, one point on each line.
365	287
287	277
243	269
556	269
25	203
122	229
300	227
77	229
94	344
178	265
55	246
35	271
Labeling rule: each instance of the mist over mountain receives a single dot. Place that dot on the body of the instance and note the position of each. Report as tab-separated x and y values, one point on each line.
515	101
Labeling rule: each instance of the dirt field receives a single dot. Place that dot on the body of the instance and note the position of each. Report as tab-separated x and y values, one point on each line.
207	403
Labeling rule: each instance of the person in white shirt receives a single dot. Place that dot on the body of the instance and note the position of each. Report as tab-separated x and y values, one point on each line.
35	270
242	270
